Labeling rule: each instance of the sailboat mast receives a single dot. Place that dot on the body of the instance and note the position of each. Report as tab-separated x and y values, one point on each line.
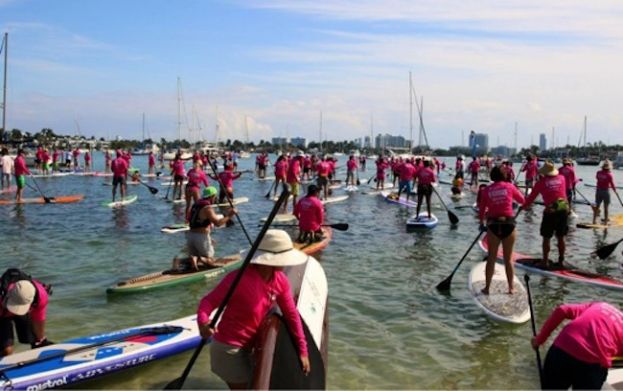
320	130
143	126
5	45
585	131
246	129
179	108
410	114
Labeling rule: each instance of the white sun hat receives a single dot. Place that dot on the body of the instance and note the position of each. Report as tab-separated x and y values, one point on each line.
276	249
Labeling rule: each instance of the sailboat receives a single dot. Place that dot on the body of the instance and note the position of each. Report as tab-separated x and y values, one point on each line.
587	160
184	154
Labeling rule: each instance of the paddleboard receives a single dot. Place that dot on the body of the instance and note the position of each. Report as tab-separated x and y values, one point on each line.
90	357
281	218
333	199
615	378
498	304
125	201
176	200
171	183
54	175
335	186
615	221
276	198
103	174
314	247
235	201
402	201
422	221
351	188
569	272
456	197
53	200
8	190
182	227
168	277
266	178
129	183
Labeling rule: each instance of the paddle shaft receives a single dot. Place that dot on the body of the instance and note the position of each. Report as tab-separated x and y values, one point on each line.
582	195
618	197
453	218
445	284
220	182
533	322
179	382
166	196
338	226
149	331
153	190
46	199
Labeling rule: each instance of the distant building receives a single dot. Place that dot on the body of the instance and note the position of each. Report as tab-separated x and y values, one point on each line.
367	143
502	150
542	142
480	144
389	141
279	141
300	142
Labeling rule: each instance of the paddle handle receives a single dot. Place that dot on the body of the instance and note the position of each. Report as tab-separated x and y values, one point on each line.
526	278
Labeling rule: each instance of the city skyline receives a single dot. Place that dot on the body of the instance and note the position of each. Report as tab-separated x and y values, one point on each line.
334	70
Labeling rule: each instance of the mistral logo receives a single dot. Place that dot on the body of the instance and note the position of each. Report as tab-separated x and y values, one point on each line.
50	383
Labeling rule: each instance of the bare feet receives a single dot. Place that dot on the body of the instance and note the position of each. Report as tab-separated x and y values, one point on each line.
485	291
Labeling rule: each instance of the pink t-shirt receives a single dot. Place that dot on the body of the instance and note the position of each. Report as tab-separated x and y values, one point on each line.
178	168
152	160
19	166
310	212
407	171
474	167
381	166
248	306
307	163
496	200
595	335
119	167
227	178
294	170
605	179
351	165
38	311
531	169
551	188
323	168
87	157
280	168
196	177
425	176
54	156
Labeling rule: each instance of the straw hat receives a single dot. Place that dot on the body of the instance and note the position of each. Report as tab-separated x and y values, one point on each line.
20	297
607	165
548	169
276	249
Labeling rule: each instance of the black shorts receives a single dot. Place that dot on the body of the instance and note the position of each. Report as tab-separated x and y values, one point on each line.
37	161
322	181
305	170
569	195
23	326
261	166
561	371
178	178
501	229
424	190
118	180
554	222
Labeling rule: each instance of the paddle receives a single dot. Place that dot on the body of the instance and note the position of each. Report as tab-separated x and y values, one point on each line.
358	182
177	384
166	196
445	284
582	195
453	219
338	226
152	189
231	204
605	251
619	198
47	200
270	189
120	337
538	355
371	178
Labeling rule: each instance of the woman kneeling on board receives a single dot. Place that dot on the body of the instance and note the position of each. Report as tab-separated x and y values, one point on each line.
262	285
496	203
582	353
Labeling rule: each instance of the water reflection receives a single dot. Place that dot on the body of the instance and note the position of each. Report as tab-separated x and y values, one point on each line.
120	217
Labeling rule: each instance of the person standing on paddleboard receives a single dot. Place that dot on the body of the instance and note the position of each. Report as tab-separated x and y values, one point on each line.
262	285
425	177
119	167
198	240
310	213
351	167
294	180
281	169
23	304
196	176
583	351
496	204
322	170
151	163
381	166
569	173
7	168
226	182
459	167
605	182
178	171
87	161
20	169
474	170
553	189
531	169
406	172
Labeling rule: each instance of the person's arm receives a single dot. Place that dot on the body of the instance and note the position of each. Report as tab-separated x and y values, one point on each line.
518	196
482	206
562	312
293	319
215	220
210	302
536	190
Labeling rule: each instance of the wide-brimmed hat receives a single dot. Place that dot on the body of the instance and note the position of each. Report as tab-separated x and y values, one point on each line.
548	169
20	297
607	165
276	249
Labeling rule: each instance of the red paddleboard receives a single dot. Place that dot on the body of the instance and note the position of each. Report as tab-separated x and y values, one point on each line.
567	272
39	200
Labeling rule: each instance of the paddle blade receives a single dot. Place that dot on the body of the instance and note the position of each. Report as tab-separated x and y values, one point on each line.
444	286
358	182
453	219
153	190
175	384
340	226
605	251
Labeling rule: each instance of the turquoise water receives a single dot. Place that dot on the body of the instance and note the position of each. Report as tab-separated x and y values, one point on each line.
390	328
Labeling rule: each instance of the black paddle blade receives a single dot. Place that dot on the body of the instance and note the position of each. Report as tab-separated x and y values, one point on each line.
48	200
605	251
340	226
453	219
153	190
444	286
358	182
175	384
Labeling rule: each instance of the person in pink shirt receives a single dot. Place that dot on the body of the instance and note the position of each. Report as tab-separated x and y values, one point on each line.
323	168
281	170
55	156
293	178
45	162
508	171
381	166
569	173
119	168
76	154
459	167
332	165
38	158
605	182
351	168
87	161
307	168
107	160
226	181
553	189
196	176
310	213
496	204
20	171
151	163
262	285
178	171
23	305
531	169
406	173
261	163
395	166
583	350
474	169
425	177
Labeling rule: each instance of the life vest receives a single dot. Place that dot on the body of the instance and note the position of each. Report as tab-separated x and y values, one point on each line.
194	221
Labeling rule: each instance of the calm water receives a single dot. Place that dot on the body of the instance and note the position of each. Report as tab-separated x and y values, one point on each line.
390	328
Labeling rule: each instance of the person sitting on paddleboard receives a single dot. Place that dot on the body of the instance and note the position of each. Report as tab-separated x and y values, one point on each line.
20	170
457	185
605	182
198	240
351	167
425	178
553	188
196	176
496	204
119	168
583	351
262	285
226	182
23	304
310	213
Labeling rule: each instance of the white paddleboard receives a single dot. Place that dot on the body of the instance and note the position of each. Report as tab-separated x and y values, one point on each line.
281	218
422	221
351	188
312	301
333	199
127	200
235	201
498	304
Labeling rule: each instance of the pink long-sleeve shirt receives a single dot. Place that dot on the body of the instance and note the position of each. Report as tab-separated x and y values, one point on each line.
496	200
19	166
310	212
605	179
425	176
281	167
569	173
294	170
531	169
595	335
227	178
551	188
248	305
196	177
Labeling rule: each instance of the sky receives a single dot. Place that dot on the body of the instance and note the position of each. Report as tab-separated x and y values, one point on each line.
334	69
